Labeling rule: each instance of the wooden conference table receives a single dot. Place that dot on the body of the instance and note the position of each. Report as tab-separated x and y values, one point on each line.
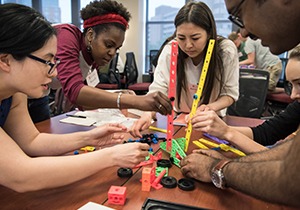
95	188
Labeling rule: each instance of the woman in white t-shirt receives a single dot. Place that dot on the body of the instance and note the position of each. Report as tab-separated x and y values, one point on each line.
195	26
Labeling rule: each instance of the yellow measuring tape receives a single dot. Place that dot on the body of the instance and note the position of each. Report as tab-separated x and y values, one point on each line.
198	94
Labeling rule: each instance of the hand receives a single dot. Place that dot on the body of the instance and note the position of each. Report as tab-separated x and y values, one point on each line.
211	153
130	154
106	135
156	102
209	122
141	124
203	107
197	166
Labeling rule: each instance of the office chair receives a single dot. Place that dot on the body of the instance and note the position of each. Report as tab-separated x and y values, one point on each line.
152	63
278	100
61	104
111	79
131	76
253	87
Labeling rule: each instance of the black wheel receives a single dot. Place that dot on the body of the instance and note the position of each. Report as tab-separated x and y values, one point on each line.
124	172
165	163
169	182
186	184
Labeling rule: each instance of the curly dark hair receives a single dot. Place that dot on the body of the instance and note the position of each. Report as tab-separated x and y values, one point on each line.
102	7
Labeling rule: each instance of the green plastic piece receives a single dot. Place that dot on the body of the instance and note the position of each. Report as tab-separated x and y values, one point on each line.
177	148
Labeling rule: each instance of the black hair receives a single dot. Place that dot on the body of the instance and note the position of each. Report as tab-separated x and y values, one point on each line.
23	30
103	7
199	14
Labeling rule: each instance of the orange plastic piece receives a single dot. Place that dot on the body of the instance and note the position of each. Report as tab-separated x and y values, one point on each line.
148	175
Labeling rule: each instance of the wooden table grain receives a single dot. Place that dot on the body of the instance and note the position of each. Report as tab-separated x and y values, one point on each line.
95	188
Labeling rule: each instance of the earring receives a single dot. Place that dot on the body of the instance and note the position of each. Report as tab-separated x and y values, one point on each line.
88	47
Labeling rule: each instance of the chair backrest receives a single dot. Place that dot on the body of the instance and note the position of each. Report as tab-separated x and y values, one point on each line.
152	58
253	87
61	103
112	76
113	64
130	69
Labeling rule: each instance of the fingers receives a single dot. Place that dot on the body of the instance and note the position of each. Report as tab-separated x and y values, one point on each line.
116	127
163	103
141	124
135	129
210	153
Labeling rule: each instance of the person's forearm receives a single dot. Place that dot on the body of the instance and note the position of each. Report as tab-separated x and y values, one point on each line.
258	179
221	103
243	142
276	153
244	130
246	62
274	171
44	172
93	98
57	144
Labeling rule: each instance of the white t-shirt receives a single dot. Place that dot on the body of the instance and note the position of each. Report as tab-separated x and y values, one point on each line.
230	77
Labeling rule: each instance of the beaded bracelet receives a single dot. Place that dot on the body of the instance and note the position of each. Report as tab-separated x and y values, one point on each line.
118	100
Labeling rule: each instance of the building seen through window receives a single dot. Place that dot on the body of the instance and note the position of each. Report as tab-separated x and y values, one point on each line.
160	17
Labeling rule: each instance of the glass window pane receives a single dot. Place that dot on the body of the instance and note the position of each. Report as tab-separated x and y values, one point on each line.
24	2
218	8
83	3
163	10
160	24
157	34
57	11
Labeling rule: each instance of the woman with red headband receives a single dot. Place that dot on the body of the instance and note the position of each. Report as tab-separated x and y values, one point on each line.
105	23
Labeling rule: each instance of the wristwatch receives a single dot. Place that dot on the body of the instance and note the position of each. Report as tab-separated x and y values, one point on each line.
217	176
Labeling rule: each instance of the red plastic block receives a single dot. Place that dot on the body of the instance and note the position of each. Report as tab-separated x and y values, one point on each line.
144	163
155	184
117	195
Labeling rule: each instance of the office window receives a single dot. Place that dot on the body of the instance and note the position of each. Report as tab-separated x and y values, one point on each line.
218	8
56	11
159	24
25	2
160	16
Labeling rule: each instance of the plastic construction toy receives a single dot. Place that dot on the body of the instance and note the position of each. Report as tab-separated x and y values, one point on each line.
176	153
148	176
147	138
150	161
172	93
156	183
124	172
220	141
88	149
186	184
223	147
198	94
168	182
117	195
165	163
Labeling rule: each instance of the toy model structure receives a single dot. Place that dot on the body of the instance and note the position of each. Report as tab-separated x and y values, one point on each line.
178	147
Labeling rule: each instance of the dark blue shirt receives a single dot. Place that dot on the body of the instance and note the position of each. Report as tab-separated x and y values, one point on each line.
4	110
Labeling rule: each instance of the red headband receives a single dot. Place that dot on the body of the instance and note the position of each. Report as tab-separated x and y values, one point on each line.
108	18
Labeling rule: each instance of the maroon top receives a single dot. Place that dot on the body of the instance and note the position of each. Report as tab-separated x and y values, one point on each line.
75	60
